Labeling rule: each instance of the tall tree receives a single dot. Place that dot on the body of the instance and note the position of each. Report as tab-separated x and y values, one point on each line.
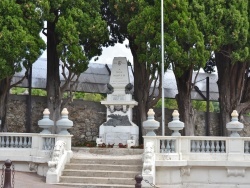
20	24
225	25
119	15
139	21
75	33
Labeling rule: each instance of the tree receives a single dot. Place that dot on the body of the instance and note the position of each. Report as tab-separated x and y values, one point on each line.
119	14
20	43
139	21
225	25
75	32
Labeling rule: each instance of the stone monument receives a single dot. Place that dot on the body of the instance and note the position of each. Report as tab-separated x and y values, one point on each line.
119	127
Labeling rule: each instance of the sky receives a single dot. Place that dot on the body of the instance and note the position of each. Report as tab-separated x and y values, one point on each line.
119	50
108	54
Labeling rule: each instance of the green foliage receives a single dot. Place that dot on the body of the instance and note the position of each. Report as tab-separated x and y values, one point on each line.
216	106
38	92
87	96
20	43
18	90
168	103
21	90
224	23
79	29
79	95
93	97
202	106
184	43
198	105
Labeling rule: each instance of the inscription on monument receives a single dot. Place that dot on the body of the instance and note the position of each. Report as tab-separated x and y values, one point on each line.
118	97
119	74
116	138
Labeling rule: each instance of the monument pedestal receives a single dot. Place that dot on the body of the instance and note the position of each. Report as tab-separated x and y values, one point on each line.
119	134
119	127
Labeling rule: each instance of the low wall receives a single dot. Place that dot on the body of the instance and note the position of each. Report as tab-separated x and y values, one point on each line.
88	116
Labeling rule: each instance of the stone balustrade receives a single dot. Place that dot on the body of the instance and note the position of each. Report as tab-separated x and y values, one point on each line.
185	156
32	151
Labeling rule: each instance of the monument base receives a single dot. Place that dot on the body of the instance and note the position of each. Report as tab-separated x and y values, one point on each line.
119	134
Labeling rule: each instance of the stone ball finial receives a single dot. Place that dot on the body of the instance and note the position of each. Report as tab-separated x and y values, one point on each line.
235	113
64	112
234	125
46	111
151	112
176	125
175	113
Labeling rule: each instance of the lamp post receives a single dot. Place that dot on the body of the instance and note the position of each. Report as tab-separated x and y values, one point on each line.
162	68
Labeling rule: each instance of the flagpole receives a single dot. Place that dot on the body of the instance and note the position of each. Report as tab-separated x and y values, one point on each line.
162	68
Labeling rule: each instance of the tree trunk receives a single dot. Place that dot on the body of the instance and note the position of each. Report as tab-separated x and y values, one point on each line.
231	80
54	96
141	78
184	101
4	94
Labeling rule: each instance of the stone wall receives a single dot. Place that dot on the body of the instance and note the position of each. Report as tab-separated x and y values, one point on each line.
88	116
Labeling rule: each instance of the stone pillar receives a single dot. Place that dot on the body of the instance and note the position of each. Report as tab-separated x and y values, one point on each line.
176	125
234	125
64	123
151	124
45	123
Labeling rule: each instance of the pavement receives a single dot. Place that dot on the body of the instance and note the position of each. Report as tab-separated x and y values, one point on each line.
32	180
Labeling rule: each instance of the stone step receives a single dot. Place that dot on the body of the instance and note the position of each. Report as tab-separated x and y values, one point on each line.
96	185
76	166
102	168
97	180
107	161
100	173
107	151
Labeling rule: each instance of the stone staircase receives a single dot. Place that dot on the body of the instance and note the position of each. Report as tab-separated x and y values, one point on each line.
102	168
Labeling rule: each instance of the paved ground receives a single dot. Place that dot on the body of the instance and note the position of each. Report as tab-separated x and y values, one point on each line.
31	180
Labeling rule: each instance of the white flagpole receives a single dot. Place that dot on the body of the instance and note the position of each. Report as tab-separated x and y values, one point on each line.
162	68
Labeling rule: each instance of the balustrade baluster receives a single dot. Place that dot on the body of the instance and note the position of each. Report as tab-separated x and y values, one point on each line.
207	146
7	142
2	141
44	143
223	146
212	146
163	146
203	146
217	147
11	141
29	142
20	142
192	146
168	147
246	147
25	142
16	142
173	146
52	143
198	146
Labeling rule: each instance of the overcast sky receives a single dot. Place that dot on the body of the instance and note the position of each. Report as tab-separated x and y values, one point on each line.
108	54
119	50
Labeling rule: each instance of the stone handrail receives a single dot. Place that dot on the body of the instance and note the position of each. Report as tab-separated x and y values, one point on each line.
59	158
186	151
34	148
